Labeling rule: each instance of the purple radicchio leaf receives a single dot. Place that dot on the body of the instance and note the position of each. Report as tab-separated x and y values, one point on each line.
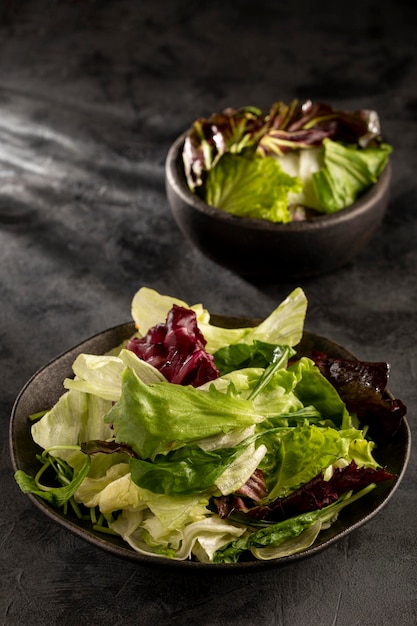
208	139
177	349
283	128
253	491
301	126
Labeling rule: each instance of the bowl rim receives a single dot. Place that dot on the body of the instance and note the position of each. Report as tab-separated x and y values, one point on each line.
178	185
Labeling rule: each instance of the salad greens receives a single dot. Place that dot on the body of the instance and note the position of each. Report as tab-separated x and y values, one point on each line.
293	162
254	462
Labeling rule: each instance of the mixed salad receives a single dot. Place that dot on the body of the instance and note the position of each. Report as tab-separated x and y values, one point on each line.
295	162
192	441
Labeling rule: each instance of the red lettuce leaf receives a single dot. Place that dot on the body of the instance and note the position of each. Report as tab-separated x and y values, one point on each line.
316	494
283	128
362	386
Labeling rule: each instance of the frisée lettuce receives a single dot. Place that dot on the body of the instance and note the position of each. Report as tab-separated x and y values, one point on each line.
255	461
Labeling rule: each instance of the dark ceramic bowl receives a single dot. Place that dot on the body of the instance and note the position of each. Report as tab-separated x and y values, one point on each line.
46	386
259	248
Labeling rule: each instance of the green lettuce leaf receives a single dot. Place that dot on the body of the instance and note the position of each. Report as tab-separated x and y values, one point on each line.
314	389
347	173
155	419
242	355
186	471
295	455
251	187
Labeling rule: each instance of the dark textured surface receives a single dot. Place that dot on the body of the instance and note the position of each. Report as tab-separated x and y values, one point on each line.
91	96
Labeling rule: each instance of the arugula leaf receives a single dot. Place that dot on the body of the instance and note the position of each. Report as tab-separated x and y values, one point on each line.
57	496
278	534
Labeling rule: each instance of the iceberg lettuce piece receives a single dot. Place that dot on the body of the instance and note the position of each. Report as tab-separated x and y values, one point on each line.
205	536
303	164
240	470
102	375
283	326
111	492
76	417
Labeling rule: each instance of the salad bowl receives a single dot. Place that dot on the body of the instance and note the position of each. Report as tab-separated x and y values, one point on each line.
257	248
46	386
296	192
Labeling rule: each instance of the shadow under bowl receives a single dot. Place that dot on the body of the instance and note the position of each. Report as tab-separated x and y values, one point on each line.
257	248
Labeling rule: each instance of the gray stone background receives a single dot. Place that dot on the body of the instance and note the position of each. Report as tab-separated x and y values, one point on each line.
91	96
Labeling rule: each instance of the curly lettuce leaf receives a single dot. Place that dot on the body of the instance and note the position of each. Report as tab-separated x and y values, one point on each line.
257	188
347	172
155	419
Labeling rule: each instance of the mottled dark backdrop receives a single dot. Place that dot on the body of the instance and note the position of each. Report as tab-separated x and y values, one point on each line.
91	96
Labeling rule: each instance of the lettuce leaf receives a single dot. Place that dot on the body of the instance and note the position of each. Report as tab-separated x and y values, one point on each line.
155	419
257	188
296	455
283	326
276	535
76	417
202	537
186	471
347	172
